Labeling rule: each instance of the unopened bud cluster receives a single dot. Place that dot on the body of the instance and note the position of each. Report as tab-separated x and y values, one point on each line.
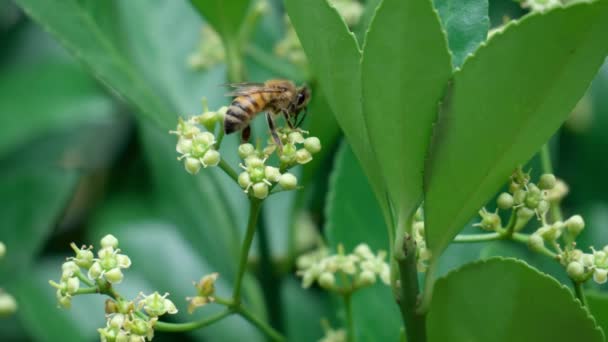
210	51
423	254
196	145
8	304
297	147
257	178
205	292
124	324
342	272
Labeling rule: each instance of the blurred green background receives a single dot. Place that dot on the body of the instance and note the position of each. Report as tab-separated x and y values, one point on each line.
77	161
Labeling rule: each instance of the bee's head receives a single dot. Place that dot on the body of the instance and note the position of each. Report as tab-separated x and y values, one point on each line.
302	98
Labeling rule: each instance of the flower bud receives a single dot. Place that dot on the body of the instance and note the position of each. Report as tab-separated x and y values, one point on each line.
123	261
363	251
588	260
117	321
288	181
260	190
246	150
575	225
2	249
65	302
109	241
84	258
576	271
312	145
536	242
192	165
205	139
8	304
72	285
303	156
519	196
547	181
505	201
95	271
296	138
211	158
600	275
543	206
69	268
208	119
327	280
184	145
289	154
206	286
523	217
244	180
114	276
272	173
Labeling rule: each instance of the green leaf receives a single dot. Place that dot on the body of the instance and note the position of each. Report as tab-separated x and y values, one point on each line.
598	305
503	105
404	74
334	55
226	17
354	217
76	26
46	97
303	311
466	23
506	300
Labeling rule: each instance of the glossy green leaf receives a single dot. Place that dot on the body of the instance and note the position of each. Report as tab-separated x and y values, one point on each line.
598	305
226	17
404	74
506	300
334	55
466	22
303	311
353	218
84	29
46	97
503	105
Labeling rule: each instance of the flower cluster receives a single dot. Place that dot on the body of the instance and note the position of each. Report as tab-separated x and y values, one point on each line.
359	269
257	177
423	254
297	149
196	146
210	50
126	322
334	335
8	304
540	5
205	291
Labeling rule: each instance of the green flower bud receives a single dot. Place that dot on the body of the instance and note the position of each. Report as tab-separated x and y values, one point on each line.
289	154
244	180
543	206
519	196
523	217
139	327
489	221
303	156
505	201
65	302
327	280
288	181
533	197
547	181
109	241
296	138
208	119
117	321
272	173
257	174
72	285
588	260
211	158
95	271
246	150
184	145
575	225
254	162
536	242
123	261
84	258
576	271
312	144
2	249
600	275
114	276
8	304
192	165
205	139
260	190
366	278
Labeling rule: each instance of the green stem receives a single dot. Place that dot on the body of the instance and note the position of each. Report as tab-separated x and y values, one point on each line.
234	62
228	170
265	328
414	321
181	327
468	238
271	283
350	330
579	292
523	238
84	279
87	290
254	211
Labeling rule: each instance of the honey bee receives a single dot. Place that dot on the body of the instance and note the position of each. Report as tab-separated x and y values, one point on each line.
275	97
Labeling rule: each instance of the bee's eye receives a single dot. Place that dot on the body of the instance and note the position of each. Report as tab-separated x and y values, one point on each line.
301	99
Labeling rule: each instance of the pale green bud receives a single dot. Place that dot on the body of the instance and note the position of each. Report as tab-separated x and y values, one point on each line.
588	260
289	154
114	276
536	242
208	119
505	201
244	180
109	241
184	145
575	224
69	268
296	138
547	181
8	304
366	278
288	181
543	206
72	285
260	190
327	280
519	196
600	275
272	173
523	217
84	257
211	158
192	165
303	156
123	261
312	144
204	138
254	162
65	302
257	174
576	271
246	150
95	271
117	321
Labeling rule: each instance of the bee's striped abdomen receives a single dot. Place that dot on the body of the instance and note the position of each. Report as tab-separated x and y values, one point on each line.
242	110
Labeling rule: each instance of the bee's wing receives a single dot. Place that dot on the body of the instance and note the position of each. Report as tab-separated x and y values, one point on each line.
247	88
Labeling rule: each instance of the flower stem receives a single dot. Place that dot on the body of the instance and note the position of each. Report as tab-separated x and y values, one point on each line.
579	292
468	238
228	170
348	309
254	211
181	327
265	328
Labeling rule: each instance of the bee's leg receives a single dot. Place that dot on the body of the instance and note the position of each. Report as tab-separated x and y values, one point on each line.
273	131
287	119
245	134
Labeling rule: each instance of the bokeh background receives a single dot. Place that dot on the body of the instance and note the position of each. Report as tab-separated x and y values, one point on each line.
77	161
